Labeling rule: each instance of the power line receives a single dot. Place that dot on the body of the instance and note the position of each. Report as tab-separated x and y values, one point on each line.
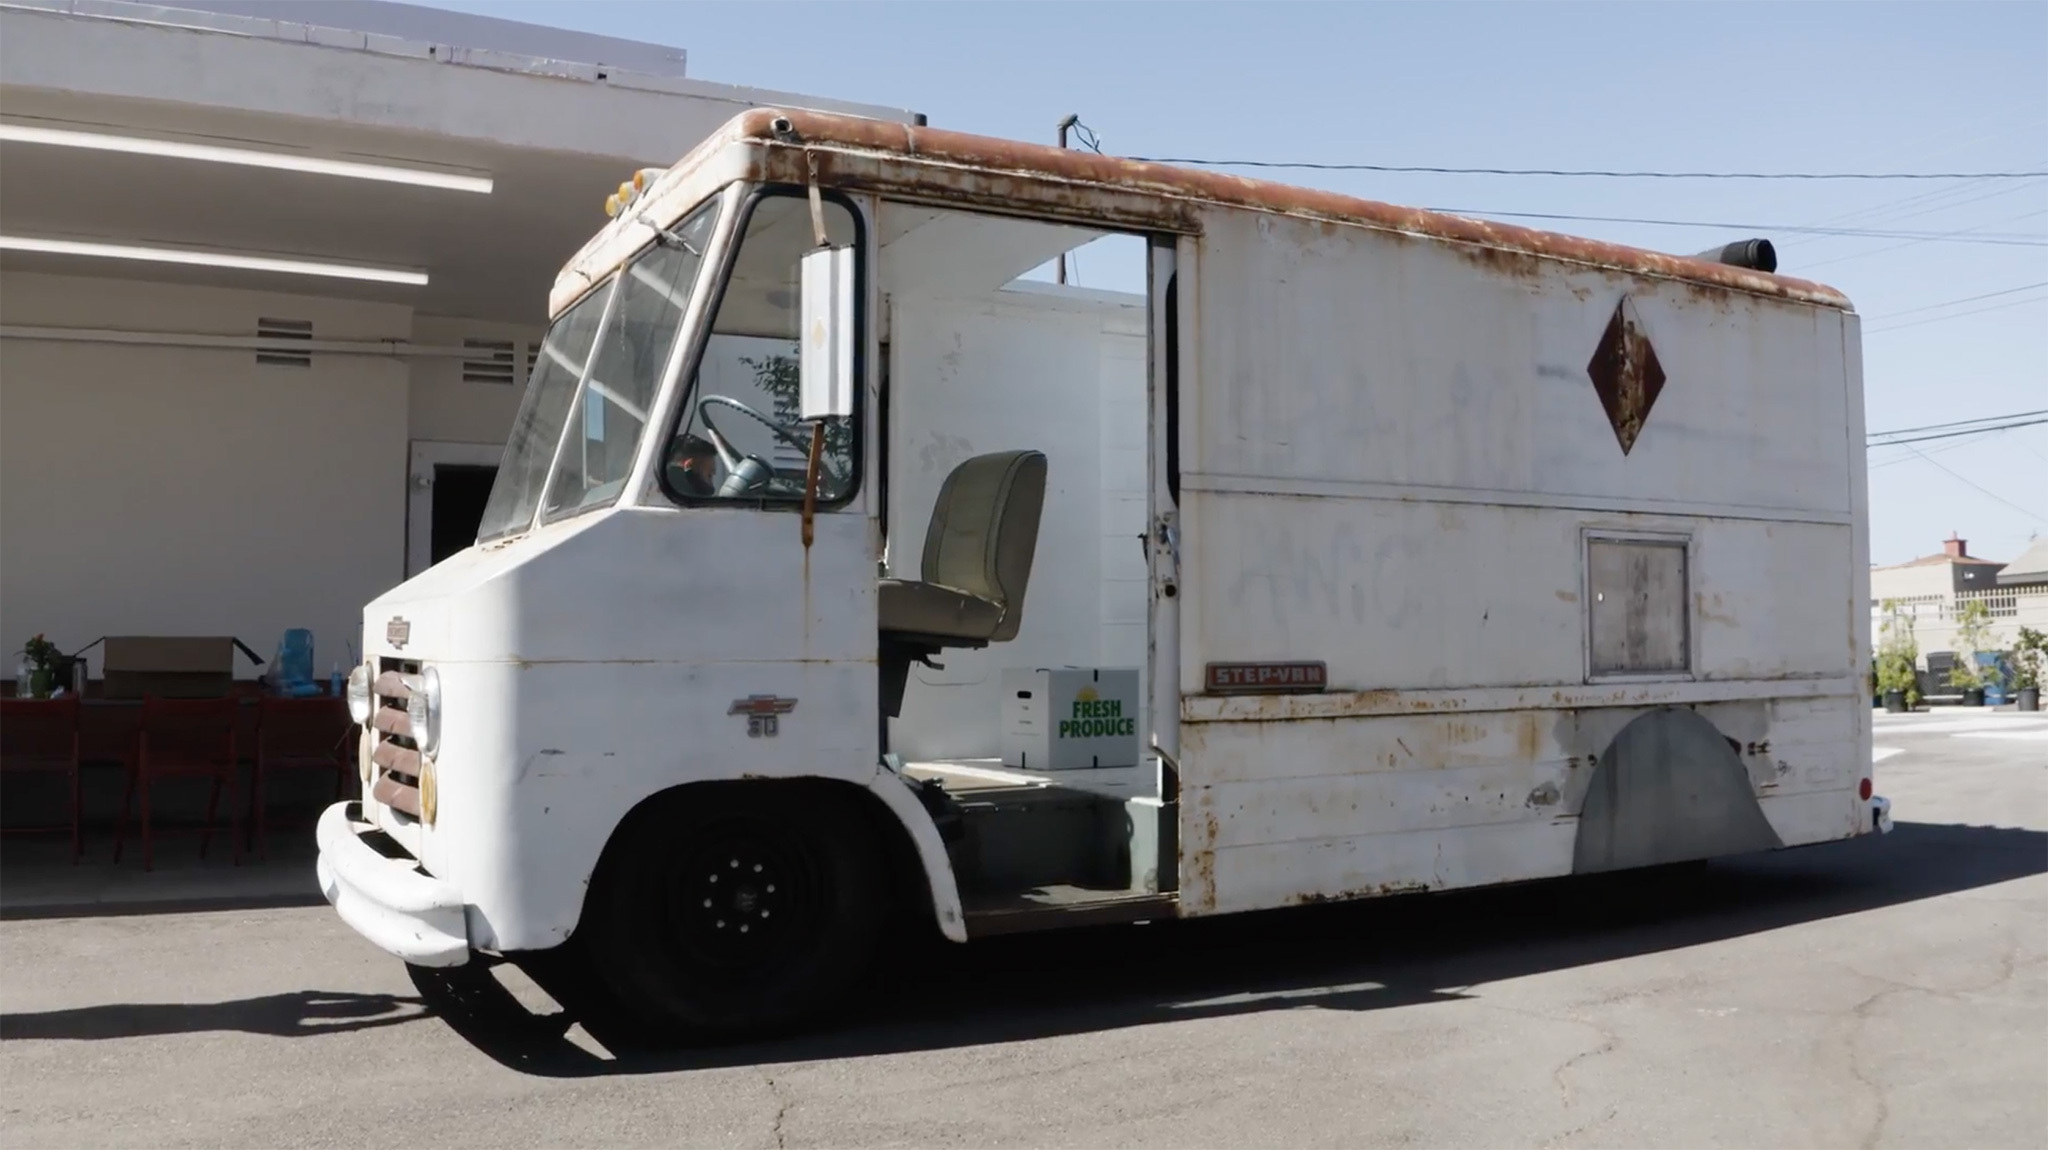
1914	243
1954	434
1585	173
1953	302
1958	423
1956	315
1984	490
1928	203
1903	458
2030	240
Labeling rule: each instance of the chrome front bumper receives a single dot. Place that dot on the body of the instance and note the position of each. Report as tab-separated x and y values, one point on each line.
405	912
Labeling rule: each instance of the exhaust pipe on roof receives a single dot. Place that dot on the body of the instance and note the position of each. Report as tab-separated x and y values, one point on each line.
1756	255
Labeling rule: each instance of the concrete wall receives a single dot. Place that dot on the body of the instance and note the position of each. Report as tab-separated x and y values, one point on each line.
1936	621
423	24
1933	594
368	81
148	490
446	408
1935	580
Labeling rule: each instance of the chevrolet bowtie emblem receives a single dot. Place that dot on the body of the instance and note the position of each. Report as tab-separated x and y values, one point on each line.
398	633
763	714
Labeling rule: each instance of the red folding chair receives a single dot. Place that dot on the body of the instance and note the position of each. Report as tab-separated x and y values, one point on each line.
299	735
40	736
185	739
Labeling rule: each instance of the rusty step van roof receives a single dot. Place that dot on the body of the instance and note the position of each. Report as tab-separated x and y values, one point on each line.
900	159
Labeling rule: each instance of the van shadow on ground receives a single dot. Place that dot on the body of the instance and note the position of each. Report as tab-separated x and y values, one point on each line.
1360	956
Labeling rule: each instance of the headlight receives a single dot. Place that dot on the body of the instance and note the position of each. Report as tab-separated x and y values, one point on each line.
360	704
424	709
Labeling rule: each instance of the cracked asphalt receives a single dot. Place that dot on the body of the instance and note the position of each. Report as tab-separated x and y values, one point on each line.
1880	993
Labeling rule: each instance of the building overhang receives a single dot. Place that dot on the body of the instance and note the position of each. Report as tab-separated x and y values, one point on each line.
550	137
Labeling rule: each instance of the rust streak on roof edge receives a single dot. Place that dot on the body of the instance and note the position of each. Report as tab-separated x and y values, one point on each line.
826	130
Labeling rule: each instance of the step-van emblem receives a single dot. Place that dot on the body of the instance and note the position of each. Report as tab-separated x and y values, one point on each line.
763	714
398	633
1267	678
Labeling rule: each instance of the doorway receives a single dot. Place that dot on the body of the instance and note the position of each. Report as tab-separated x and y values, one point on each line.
450	484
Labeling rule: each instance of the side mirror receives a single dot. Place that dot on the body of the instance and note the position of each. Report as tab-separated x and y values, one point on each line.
826	361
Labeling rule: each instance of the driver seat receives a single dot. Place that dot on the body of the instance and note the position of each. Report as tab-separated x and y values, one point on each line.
977	563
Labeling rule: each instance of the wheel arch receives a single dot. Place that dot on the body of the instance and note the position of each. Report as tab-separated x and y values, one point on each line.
920	880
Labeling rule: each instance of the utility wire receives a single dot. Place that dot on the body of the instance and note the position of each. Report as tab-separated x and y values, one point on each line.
1914	243
1904	458
1956	315
1980	488
1585	173
1928	203
2025	239
2014	239
1953	302
1958	423
1954	434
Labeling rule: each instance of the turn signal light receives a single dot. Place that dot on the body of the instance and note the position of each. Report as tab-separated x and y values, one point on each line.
631	190
1863	789
430	791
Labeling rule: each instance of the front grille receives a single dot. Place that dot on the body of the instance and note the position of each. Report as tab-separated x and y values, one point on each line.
396	756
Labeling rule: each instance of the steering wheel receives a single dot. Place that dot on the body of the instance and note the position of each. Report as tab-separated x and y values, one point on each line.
750	473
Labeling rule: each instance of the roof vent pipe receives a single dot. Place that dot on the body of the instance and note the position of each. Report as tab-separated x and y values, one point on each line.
1756	255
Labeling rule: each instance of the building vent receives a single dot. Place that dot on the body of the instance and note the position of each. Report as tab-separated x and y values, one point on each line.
532	358
488	361
283	329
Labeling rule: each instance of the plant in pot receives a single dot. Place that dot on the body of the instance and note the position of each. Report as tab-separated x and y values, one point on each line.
2029	661
37	675
1973	634
1898	654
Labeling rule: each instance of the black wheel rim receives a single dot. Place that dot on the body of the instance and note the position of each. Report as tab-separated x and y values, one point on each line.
745	899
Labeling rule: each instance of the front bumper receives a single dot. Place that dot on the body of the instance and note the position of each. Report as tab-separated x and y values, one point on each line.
1880	814
404	911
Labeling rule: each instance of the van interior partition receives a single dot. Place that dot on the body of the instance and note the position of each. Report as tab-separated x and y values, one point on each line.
1014	600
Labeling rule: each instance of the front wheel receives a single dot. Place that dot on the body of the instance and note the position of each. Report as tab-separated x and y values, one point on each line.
737	911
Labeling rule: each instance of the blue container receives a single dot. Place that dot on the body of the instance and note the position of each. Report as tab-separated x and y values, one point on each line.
1995	676
292	672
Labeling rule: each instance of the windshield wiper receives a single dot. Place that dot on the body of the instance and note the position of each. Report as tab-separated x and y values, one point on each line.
668	238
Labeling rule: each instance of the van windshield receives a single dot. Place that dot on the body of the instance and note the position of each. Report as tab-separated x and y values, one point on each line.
593	381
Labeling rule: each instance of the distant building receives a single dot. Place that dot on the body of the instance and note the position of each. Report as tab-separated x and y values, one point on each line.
1933	590
2029	570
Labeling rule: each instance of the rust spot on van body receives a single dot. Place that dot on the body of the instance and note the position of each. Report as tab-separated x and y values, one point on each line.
1708	610
1378	890
903	159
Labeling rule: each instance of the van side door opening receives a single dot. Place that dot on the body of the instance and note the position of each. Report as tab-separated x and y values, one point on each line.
1015	606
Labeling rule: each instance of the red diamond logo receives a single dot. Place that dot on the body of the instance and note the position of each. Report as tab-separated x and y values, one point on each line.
1626	374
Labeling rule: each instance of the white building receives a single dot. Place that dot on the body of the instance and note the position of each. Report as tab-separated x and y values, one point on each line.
272	277
1933	590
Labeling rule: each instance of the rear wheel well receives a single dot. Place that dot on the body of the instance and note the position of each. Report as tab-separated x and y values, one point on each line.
907	890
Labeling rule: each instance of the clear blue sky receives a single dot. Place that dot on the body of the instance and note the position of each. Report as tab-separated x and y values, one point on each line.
1781	87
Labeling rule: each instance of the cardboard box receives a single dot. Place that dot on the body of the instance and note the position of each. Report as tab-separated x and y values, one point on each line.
172	667
1071	718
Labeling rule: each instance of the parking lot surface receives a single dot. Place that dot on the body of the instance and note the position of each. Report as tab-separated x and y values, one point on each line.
1884	992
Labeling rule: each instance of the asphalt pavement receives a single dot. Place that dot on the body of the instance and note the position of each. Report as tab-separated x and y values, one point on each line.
1884	992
